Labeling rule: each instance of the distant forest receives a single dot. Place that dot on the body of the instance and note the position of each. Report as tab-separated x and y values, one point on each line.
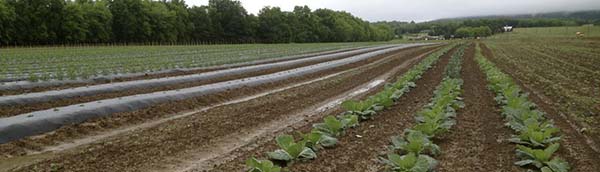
48	22
487	25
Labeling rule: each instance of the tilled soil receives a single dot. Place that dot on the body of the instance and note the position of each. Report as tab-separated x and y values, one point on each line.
36	143
359	149
141	149
574	147
147	76
478	140
6	111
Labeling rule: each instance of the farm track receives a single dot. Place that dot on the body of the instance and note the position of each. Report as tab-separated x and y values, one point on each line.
142	148
360	154
173	73
576	148
478	140
6	111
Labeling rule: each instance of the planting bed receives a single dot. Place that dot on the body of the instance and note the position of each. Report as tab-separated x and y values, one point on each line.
358	154
576	148
478	140
18	104
480	105
378	66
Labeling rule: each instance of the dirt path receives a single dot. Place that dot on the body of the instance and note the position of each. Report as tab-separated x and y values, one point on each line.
576	148
165	143
6	111
478	140
359	154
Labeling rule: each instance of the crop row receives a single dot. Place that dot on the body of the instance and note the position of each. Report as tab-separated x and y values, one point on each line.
537	138
414	150
83	63
324	135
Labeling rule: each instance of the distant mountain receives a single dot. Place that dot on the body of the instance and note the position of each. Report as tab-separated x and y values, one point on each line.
589	15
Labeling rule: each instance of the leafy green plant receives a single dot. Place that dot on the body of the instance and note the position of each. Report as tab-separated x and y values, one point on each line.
290	150
534	130
364	109
537	134
433	127
384	98
261	165
541	158
410	162
334	127
414	142
316	140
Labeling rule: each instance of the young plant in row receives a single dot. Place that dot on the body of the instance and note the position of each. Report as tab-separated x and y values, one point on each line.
392	92
537	134
261	165
291	150
537	137
335	127
324	135
414	142
542	158
410	162
435	118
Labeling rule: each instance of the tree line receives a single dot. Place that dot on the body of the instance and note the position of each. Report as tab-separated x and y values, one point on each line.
47	22
458	28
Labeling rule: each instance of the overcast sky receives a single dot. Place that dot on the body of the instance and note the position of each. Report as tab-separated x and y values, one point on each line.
422	10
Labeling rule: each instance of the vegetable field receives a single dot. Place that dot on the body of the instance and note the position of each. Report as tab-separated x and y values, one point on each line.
88	62
521	101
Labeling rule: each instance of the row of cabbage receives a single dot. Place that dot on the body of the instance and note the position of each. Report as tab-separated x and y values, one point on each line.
324	135
414	150
537	138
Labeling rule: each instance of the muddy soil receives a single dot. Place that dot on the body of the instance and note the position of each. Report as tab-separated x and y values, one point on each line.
359	149
6	111
153	146
478	140
575	147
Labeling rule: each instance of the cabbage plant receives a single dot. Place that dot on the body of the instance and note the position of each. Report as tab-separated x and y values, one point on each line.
541	158
414	142
364	109
290	150
316	140
410	162
537	134
261	165
335	127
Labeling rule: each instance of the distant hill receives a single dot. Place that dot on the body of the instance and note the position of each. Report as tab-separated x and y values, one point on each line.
592	16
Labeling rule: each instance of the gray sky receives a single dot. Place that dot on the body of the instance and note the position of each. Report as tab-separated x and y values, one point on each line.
423	10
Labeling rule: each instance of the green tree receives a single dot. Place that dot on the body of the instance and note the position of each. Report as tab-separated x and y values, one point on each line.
75	26
201	25
7	19
230	20
130	23
99	20
273	26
